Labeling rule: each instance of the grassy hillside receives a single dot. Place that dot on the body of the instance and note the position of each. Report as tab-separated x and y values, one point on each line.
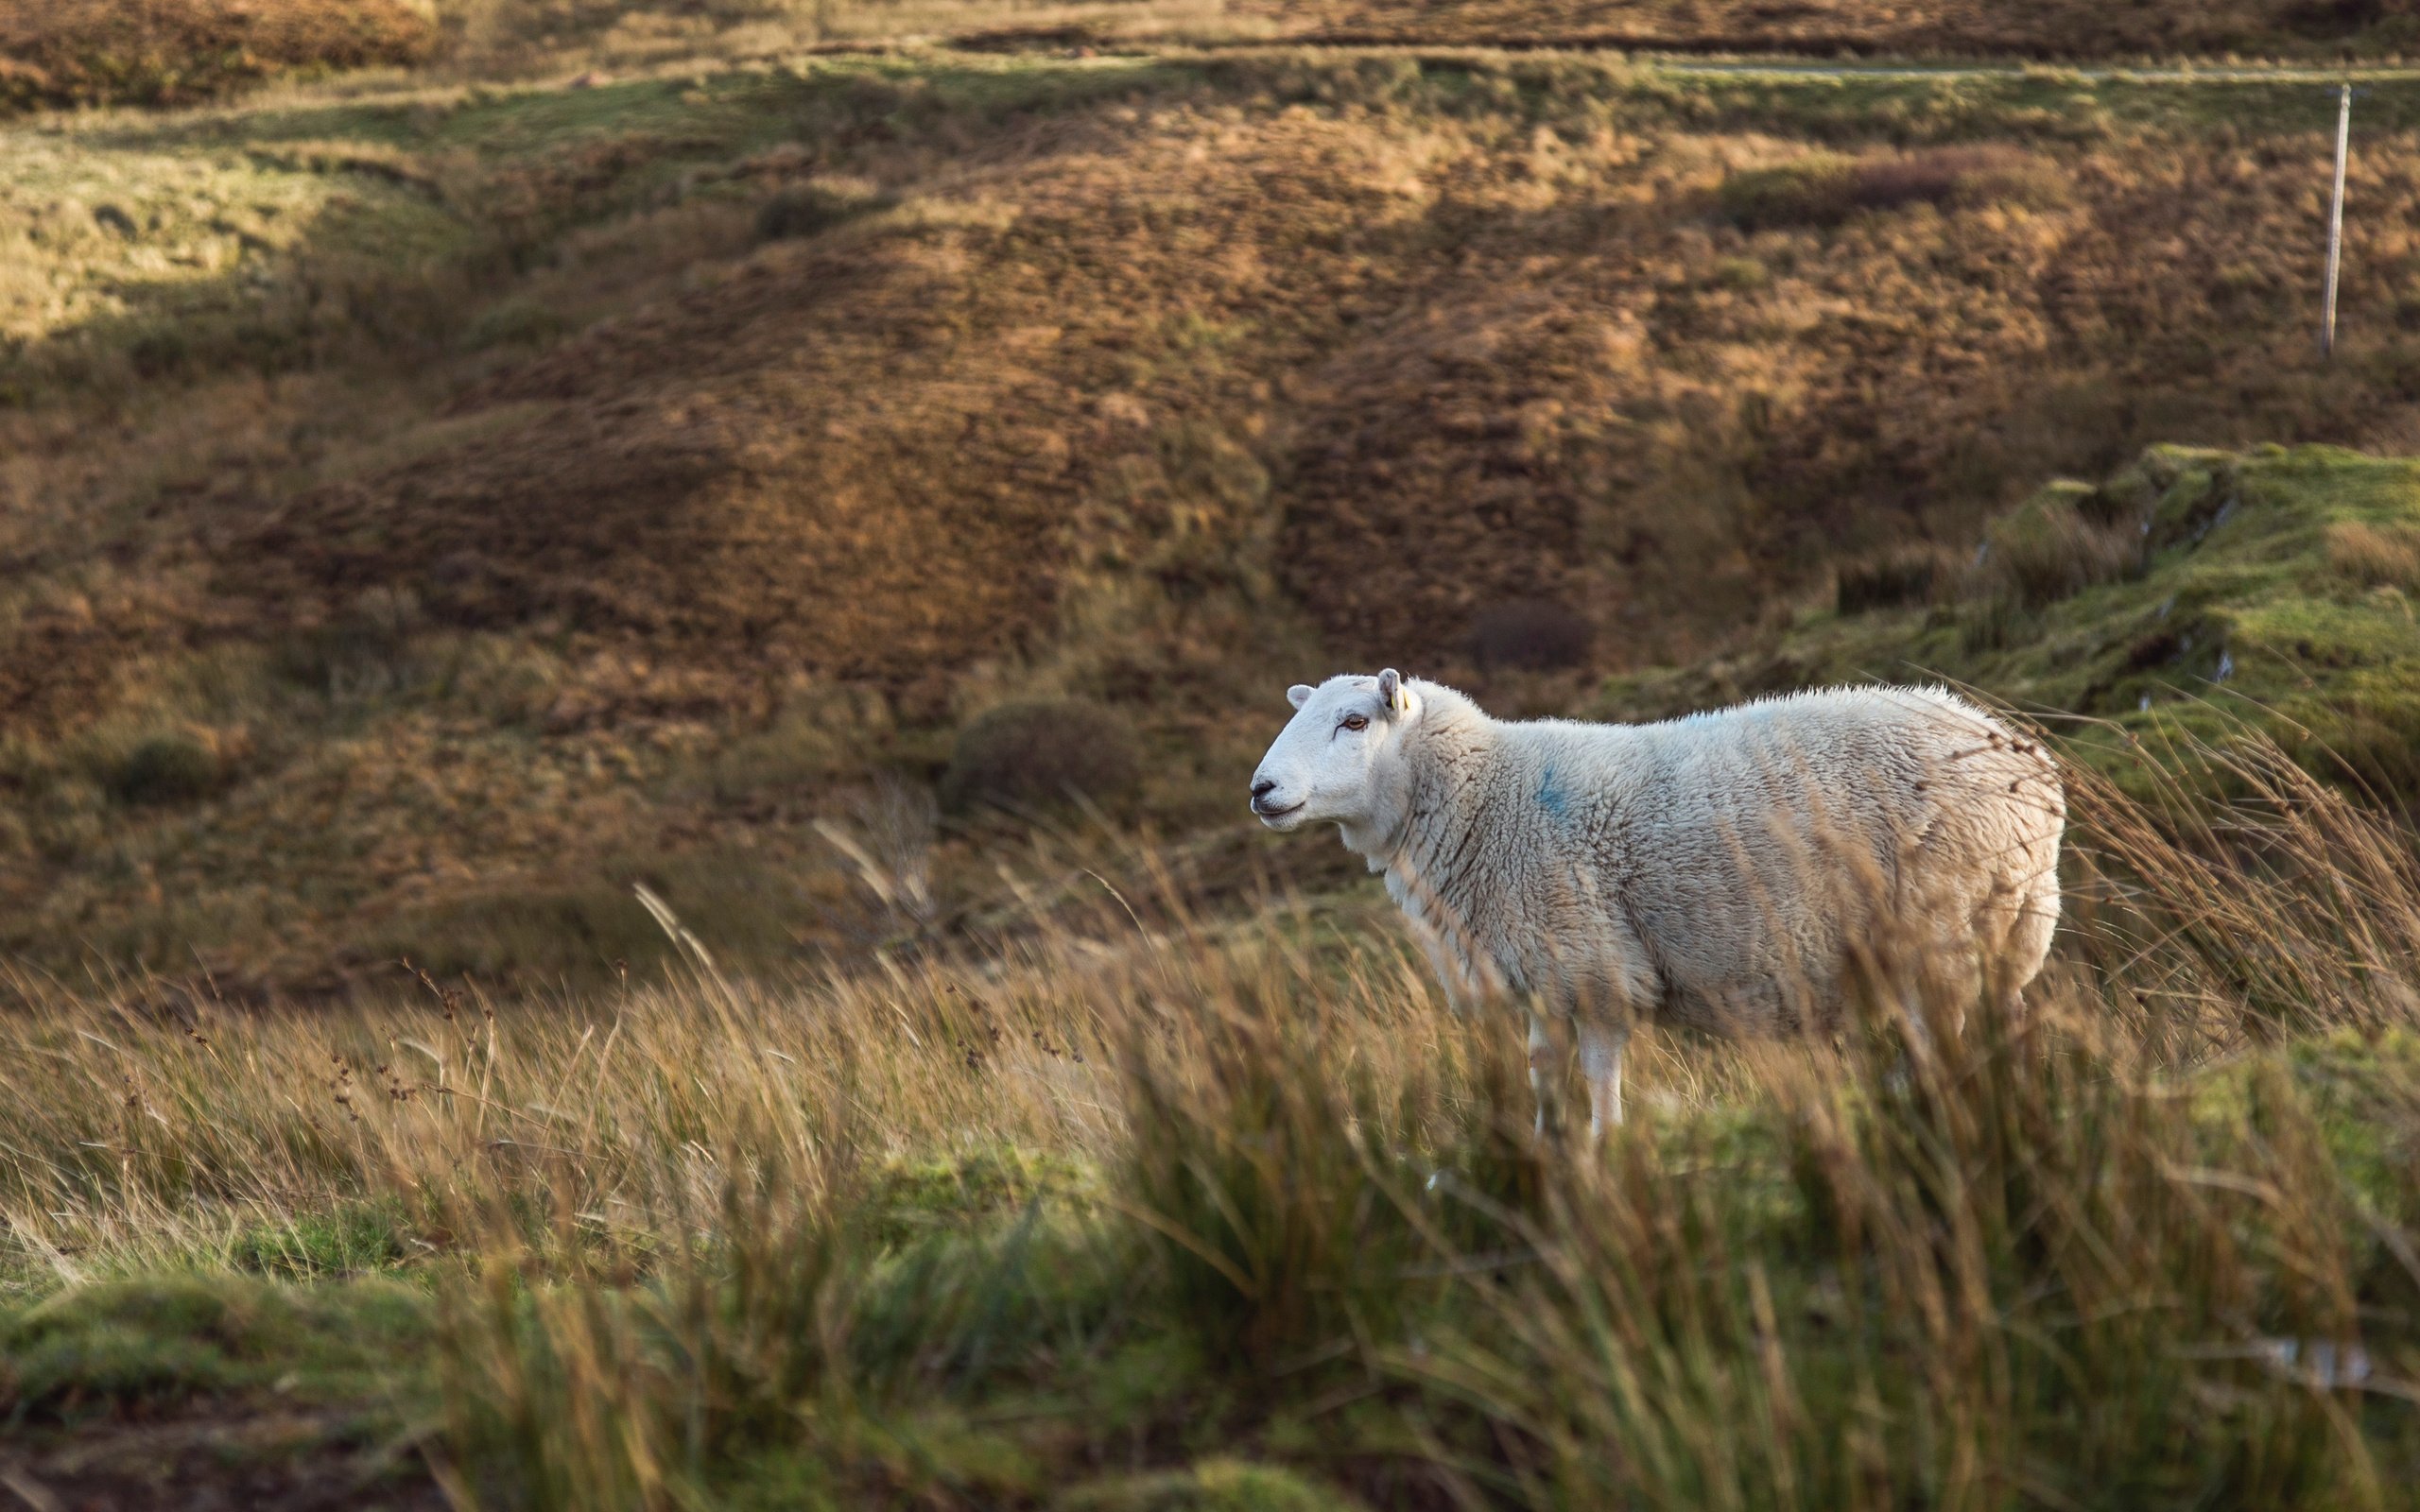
75	52
2063	29
2186	597
431	510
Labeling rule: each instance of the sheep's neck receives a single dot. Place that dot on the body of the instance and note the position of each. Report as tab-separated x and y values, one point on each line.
1436	804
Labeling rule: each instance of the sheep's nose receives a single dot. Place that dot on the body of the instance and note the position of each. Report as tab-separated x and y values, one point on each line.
1263	788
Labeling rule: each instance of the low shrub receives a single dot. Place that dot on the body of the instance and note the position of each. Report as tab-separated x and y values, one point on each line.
1893	579
366	649
1529	635
1741	275
1826	188
2066	539
1808	191
1028	756
1966	177
812	209
515	321
165	770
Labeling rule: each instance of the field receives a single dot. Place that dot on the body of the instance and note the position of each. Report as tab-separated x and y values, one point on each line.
1155	1212
631	640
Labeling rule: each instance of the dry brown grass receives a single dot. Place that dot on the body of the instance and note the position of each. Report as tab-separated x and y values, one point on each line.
693	1226
180	52
2374	556
155	1118
2061	543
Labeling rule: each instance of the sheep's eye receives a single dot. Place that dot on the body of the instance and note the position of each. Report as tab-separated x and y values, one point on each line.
1356	722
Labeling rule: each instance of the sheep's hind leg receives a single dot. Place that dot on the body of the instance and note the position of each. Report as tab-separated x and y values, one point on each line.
1601	1061
1542	1069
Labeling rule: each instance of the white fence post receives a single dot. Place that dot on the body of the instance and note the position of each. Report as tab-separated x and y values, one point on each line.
2335	221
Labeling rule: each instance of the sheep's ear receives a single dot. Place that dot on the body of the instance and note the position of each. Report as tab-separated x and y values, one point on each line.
1299	694
1391	691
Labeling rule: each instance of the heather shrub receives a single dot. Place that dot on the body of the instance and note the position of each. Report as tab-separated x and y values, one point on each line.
1026	756
164	769
1530	635
1741	275
1826	188
364	649
2062	541
1893	578
812	209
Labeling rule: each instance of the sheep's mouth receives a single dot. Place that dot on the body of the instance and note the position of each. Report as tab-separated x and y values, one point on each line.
1266	814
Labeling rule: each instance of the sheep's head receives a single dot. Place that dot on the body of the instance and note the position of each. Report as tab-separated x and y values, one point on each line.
1340	760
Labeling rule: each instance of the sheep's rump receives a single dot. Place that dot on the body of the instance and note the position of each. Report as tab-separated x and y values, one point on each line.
1770	844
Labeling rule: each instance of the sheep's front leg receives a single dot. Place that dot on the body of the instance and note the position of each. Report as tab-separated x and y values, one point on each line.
1542	1068
1601	1061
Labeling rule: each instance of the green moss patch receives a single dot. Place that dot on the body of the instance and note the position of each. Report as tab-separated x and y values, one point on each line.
2190	595
154	1343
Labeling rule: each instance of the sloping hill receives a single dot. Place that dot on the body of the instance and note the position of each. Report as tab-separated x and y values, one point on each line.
428	514
2192	594
171	52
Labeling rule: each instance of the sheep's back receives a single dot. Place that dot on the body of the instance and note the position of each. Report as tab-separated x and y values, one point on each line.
1757	840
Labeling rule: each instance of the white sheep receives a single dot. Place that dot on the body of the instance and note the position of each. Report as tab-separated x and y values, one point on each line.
1719	871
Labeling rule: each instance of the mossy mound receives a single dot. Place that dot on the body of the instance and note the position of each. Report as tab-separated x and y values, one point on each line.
2193	593
160	1341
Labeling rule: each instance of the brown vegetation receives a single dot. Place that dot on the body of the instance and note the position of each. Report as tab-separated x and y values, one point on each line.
1826	188
178	52
1964	29
1025	757
1893	578
1534	635
1153	386
2060	543
168	52
2376	555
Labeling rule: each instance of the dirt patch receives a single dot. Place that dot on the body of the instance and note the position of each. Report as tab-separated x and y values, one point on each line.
226	1458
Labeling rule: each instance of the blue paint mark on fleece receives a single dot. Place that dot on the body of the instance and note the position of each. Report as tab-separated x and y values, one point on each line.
1551	797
